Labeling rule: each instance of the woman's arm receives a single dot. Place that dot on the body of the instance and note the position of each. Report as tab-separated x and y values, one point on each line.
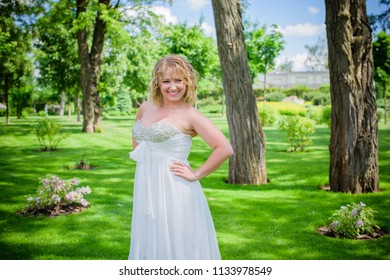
215	139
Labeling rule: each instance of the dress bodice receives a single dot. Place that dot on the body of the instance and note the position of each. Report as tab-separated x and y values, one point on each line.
157	132
163	138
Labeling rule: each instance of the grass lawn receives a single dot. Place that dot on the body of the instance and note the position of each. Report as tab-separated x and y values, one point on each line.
277	221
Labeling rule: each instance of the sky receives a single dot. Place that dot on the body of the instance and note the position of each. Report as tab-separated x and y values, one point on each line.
302	22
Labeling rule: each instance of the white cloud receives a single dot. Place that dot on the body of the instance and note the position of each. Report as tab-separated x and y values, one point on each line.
298	61
196	4
165	13
208	29
313	10
302	30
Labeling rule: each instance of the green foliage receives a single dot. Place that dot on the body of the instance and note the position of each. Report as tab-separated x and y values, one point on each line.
48	134
275	96
321	99
191	42
315	113
21	98
326	115
298	131
291	109
120	105
325	88
15	46
262	47
55	194
381	113
353	220
268	115
56	53
298	91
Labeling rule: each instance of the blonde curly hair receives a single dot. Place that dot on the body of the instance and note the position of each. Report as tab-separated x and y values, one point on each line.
183	68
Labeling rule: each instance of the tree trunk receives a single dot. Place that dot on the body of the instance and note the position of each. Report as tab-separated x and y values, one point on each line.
90	62
78	107
385	102
69	104
98	114
6	93
62	103
247	165
354	122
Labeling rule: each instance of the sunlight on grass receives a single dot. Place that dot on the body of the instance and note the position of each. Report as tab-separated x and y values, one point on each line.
274	221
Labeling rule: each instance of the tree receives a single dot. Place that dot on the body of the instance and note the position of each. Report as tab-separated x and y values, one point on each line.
247	165
93	20
15	44
191	42
57	56
317	59
262	48
354	122
381	54
286	65
91	57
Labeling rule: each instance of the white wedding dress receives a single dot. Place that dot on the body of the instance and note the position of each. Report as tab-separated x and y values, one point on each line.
171	218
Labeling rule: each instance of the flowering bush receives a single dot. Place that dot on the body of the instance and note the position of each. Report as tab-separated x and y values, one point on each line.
55	194
353	220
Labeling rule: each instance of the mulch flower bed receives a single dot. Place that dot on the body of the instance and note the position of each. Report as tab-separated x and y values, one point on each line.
376	234
52	212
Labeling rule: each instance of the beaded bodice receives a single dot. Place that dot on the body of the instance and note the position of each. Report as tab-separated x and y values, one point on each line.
157	132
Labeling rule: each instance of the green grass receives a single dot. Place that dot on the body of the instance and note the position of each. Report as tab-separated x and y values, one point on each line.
275	221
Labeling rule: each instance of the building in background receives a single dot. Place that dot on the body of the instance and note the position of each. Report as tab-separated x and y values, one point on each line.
292	79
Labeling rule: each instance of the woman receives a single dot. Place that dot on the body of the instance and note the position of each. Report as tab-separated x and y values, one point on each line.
171	218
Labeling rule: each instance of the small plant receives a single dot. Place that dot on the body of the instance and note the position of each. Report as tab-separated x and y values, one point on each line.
326	115
48	134
55	196
268	115
353	220
298	130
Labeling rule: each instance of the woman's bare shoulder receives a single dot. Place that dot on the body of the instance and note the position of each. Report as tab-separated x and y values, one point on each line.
194	114
145	106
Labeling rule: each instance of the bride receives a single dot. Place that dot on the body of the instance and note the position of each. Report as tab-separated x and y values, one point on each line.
171	218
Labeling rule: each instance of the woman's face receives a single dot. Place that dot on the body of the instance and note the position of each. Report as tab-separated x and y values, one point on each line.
172	86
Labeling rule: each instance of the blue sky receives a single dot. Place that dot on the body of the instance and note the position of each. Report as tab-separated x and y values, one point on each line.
300	21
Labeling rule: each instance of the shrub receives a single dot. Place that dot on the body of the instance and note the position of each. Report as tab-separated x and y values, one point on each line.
314	113
48	134
353	220
298	91
54	195
381	113
326	115
325	88
42	113
290	109
309	96
268	115
298	130
321	99
275	96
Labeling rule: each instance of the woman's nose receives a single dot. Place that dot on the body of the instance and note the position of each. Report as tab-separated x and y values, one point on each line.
172	85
